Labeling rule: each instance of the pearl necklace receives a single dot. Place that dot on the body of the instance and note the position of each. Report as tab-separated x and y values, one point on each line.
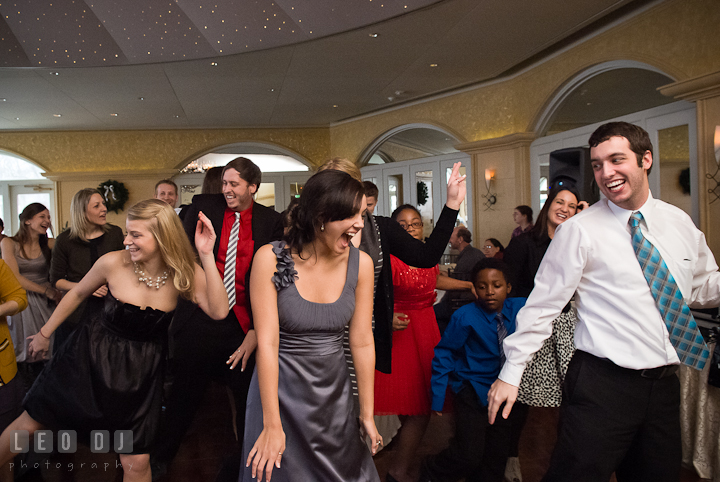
143	278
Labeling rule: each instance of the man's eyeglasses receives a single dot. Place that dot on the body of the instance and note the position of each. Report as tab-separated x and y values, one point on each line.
415	225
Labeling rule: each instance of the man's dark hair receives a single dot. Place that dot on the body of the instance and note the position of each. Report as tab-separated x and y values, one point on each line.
371	190
247	170
491	263
166	181
637	137
465	234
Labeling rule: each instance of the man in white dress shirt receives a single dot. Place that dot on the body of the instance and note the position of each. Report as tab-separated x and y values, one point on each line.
621	397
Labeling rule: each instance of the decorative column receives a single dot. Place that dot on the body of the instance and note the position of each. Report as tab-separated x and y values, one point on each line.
509	158
704	90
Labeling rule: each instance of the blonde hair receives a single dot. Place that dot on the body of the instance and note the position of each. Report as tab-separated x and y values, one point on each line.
344	165
174	246
79	224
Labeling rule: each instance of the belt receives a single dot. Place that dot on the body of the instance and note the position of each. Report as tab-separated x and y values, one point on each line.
659	372
652	373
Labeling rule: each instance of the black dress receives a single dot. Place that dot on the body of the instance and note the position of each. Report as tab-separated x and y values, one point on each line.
108	376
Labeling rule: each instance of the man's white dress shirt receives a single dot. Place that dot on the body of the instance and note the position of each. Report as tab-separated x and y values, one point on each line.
591	255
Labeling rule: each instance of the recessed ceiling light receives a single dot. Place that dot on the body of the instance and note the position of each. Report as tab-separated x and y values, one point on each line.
3	100
113	115
17	118
54	73
433	65
57	115
334	105
272	90
141	98
373	35
177	116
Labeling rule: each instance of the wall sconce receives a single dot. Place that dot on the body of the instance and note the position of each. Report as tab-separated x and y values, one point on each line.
490	197
715	191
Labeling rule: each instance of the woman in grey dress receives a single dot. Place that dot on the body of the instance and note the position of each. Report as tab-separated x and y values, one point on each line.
27	254
304	290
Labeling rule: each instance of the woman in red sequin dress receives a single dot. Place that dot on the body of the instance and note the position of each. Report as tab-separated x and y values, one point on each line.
406	391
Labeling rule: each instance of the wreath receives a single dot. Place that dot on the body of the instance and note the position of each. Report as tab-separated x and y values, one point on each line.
115	195
422	193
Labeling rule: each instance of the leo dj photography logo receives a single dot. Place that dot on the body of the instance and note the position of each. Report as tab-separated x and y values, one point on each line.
43	441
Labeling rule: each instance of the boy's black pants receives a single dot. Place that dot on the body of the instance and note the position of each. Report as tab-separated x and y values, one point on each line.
478	451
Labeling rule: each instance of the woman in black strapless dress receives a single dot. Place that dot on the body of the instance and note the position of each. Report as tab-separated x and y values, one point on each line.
109	374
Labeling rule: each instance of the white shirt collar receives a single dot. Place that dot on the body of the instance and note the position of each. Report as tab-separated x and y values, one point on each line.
623	215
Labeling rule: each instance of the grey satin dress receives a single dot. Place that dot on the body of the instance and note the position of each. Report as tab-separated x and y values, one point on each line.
323	441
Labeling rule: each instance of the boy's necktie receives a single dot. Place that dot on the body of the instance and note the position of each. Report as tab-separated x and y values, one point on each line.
684	333
502	333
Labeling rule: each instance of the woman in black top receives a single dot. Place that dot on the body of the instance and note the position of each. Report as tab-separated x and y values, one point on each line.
541	382
77	249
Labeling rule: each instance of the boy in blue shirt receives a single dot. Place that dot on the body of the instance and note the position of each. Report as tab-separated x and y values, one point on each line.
468	359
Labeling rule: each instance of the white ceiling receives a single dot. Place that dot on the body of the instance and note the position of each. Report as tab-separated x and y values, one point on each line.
311	83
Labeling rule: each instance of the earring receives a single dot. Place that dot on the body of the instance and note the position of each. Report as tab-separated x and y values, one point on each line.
322	227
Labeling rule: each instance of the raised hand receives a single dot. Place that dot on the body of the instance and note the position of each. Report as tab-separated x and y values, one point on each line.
204	235
456	188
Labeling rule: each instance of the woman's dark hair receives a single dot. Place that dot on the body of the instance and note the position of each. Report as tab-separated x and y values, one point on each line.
540	229
497	244
329	195
525	211
22	237
402	208
212	183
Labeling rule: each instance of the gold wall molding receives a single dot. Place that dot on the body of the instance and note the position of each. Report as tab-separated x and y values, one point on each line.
697	88
123	175
93	151
511	141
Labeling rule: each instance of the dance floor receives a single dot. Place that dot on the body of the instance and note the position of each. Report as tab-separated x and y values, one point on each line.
211	440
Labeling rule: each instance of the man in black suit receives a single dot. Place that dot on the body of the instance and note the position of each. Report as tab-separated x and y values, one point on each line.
201	346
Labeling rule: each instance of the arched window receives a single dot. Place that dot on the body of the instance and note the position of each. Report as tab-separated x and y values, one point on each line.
22	183
284	172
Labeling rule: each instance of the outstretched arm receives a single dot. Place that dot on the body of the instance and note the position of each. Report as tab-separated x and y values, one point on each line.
414	252
268	449
94	279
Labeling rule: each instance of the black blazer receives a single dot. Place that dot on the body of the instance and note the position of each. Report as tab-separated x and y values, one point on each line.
396	241
267	225
523	256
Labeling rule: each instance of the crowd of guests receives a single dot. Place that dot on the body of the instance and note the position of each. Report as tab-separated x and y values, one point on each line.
322	322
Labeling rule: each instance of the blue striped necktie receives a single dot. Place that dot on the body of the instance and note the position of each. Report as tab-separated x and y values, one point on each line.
684	333
502	333
230	261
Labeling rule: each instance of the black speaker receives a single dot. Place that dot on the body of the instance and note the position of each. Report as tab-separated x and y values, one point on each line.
571	166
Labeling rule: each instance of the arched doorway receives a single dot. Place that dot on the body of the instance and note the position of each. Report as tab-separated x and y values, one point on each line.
21	183
410	164
284	172
627	91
